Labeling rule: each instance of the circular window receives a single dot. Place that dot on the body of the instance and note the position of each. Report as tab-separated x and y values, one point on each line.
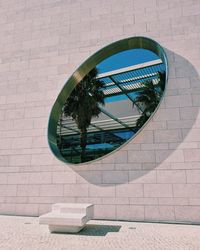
107	100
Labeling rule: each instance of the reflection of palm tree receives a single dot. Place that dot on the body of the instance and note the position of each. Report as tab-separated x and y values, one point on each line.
83	104
148	99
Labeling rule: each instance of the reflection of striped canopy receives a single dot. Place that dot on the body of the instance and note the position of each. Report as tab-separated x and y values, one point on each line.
131	78
118	82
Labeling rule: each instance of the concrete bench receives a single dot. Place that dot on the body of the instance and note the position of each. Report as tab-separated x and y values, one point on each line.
67	217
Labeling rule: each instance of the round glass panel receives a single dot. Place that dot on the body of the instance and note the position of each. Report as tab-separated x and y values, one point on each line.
108	100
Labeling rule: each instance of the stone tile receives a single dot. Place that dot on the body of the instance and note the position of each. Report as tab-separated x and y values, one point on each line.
178	101
102	191
169	156
142	176
18	178
186	190
173	201
143	201
8	190
129	190
141	156
51	190
76	190
158	190
171	176
26	209
115	200
19	160
121	157
104	211
130	212
172	135
115	177
40	178
191	155
192	135
28	190
156	213
63	177
187	213
170	114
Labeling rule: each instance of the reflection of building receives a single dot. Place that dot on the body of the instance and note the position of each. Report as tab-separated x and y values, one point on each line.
156	175
117	121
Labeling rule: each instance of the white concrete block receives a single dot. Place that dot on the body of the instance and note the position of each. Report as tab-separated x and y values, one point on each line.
69	218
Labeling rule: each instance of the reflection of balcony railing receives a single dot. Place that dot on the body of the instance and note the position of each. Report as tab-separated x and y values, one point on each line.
69	127
99	143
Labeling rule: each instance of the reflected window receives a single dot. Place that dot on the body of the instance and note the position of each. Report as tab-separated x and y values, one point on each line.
110	104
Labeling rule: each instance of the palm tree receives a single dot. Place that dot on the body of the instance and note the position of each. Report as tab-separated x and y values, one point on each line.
83	104
148	98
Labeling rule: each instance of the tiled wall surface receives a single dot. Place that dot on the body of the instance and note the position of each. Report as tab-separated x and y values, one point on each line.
156	176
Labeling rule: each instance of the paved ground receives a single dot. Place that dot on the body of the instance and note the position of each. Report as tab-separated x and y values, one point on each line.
24	233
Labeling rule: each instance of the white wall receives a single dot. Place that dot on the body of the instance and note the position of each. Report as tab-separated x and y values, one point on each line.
154	177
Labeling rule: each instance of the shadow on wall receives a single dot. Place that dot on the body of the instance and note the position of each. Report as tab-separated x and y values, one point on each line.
162	141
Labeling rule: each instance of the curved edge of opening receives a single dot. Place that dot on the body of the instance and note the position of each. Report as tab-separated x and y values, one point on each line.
107	51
